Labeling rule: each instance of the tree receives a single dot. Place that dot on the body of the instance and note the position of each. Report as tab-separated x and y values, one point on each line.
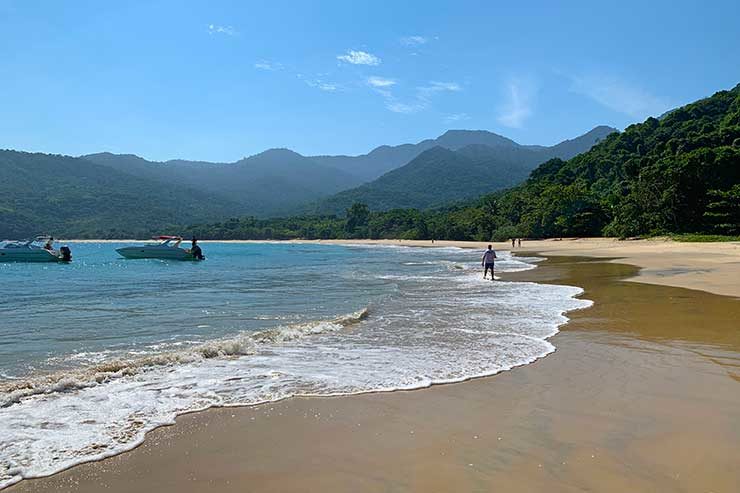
724	210
357	217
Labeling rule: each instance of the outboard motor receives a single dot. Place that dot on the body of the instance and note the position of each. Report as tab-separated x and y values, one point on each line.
66	253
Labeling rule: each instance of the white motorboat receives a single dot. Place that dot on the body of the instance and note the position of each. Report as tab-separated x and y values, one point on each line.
168	248
39	249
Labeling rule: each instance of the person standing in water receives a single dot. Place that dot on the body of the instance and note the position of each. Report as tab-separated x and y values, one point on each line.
487	261
195	250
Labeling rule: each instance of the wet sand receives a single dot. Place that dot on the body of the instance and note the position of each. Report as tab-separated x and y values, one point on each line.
711	267
642	394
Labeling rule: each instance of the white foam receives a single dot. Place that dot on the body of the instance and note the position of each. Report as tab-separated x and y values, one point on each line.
446	327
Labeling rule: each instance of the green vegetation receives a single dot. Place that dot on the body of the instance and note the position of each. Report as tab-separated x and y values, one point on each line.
676	175
60	195
274	182
696	238
462	165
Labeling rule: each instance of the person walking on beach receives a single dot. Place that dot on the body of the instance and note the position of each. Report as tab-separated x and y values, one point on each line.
512	242
519	242
487	261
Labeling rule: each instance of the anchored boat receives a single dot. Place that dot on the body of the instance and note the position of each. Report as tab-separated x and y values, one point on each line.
168	248
39	249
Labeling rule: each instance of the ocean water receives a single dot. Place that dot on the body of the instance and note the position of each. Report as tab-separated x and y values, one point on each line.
96	353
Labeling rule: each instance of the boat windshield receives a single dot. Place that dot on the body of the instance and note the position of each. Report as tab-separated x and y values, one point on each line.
166	241
37	242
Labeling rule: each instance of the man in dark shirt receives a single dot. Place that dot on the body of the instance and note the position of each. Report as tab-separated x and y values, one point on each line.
195	250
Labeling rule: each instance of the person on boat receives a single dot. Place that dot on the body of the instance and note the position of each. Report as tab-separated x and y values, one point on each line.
49	245
177	243
487	261
195	250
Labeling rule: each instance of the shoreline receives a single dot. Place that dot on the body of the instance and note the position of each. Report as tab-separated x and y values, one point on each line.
709	267
202	442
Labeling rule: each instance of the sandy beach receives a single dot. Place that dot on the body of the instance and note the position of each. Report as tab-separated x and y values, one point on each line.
641	395
711	267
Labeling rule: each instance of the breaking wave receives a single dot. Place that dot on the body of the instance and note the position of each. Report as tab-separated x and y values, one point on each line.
241	345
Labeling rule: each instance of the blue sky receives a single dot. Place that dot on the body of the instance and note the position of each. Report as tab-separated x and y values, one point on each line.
222	80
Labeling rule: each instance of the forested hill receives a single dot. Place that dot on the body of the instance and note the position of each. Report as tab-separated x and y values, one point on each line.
272	182
386	158
60	195
676	174
464	165
437	177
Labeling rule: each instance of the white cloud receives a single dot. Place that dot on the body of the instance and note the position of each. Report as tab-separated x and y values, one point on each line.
413	41
405	108
380	82
421	100
619	96
216	29
267	65
443	86
457	117
518	105
359	58
322	85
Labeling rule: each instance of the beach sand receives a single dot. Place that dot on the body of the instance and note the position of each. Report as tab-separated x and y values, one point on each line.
711	267
642	394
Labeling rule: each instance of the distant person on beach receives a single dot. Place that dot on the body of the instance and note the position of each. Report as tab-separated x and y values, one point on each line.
512	242
195	250
487	261
519	242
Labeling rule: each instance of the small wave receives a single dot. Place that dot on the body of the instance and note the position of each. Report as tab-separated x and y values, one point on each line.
241	345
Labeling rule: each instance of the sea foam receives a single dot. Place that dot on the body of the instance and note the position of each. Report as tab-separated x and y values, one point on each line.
440	323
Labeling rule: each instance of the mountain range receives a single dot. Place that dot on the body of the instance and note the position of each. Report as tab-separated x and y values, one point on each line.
45	193
460	165
114	195
676	174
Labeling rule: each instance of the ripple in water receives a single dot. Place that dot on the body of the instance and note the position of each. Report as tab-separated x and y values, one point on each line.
117	348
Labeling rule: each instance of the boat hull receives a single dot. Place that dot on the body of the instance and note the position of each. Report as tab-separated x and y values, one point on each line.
161	253
28	255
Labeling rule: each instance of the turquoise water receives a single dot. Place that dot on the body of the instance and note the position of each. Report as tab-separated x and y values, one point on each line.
101	302
95	353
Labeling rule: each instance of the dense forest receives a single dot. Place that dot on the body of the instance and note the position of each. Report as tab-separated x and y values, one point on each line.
61	195
676	174
122	195
442	175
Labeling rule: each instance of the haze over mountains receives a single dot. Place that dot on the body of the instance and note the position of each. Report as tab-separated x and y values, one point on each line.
272	182
460	165
62	195
115	195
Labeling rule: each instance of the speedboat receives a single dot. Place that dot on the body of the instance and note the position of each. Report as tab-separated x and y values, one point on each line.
168	248
39	249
